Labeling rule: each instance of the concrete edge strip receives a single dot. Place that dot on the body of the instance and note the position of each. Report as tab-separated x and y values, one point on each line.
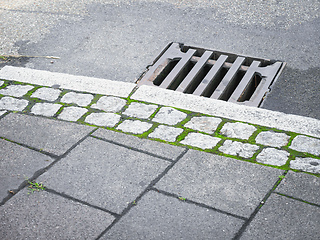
259	116
67	81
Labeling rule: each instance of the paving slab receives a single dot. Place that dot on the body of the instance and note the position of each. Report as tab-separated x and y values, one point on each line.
18	164
13	104
272	139
45	109
43	215
157	148
103	119
220	182
134	126
50	135
104	174
273	156
306	164
200	140
204	124
48	94
72	113
302	186
110	104
140	110
166	133
80	99
15	90
157	216
284	218
306	144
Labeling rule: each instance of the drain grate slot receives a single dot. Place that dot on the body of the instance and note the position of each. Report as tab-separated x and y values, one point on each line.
212	74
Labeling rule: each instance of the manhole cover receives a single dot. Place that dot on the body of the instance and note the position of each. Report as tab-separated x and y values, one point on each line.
212	74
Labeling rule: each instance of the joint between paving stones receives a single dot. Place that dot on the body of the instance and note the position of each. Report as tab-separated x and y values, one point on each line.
297	199
202	205
254	213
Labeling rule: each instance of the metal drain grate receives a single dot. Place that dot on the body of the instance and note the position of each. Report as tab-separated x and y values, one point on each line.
212	74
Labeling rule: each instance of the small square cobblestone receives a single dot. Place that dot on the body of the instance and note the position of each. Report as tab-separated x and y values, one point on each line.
166	133
110	104
273	156
204	124
13	104
306	144
134	126
48	94
103	119
81	99
272	139
45	109
72	113
140	110
244	150
16	90
237	130
200	140
170	116
306	164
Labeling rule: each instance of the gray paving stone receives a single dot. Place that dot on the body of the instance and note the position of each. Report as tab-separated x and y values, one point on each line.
48	94
237	130
49	135
306	144
302	186
110	104
200	140
306	164
103	119
244	150
45	109
284	218
169	116
134	126
18	164
157	216
204	124
166	133
160	149
272	139
273	156
72	113
220	182
80	99
103	174
13	104
140	110
44	215
16	90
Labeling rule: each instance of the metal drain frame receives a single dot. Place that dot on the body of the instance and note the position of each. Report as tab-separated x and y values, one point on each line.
214	74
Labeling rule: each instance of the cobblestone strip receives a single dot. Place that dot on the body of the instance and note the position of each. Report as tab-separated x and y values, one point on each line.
161	123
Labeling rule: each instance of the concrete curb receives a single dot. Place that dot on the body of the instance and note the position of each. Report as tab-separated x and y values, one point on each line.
268	118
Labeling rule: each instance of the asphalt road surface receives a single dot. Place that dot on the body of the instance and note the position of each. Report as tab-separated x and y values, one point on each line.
117	39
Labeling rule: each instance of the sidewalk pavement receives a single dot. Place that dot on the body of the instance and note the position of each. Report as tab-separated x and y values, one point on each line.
87	158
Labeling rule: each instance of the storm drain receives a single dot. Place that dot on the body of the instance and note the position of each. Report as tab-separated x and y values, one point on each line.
212	74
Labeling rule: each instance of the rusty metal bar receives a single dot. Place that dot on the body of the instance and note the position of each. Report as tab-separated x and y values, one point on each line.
210	75
188	80
224	87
